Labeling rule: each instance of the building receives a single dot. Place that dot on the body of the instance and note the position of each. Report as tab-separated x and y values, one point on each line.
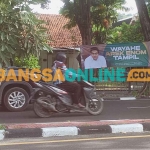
129	20
62	39
119	22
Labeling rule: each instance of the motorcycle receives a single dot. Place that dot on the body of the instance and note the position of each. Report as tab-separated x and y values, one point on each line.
48	99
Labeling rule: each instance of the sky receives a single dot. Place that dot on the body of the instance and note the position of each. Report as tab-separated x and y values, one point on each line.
55	6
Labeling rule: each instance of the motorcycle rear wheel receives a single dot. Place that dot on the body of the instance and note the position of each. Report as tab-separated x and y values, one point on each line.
40	111
97	102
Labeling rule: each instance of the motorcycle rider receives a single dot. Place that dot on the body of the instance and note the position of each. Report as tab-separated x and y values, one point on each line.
72	87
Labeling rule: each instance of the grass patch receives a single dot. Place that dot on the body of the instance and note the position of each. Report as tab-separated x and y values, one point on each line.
2	127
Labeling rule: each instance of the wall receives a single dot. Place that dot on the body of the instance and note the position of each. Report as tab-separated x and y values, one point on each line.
46	59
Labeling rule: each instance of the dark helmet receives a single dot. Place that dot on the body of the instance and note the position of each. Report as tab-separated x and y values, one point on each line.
61	57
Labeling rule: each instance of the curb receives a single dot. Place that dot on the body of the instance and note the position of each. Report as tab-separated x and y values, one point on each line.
74	130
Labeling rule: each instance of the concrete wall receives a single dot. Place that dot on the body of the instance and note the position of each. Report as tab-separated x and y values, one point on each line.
46	59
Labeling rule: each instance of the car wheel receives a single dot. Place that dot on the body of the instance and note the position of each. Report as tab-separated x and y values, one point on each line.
16	99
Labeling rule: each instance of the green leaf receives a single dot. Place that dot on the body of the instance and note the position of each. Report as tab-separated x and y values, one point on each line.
2	36
3	47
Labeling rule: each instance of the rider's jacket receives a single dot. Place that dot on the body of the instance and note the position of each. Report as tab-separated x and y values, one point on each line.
64	70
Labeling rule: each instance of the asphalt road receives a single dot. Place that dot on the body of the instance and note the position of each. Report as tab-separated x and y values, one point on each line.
113	110
96	142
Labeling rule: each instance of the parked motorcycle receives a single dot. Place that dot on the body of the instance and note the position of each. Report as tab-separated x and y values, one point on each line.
48	99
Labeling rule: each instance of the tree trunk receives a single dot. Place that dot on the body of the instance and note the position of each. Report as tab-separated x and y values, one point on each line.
11	62
83	19
144	18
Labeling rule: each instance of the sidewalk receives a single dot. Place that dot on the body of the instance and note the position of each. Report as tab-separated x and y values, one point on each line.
73	128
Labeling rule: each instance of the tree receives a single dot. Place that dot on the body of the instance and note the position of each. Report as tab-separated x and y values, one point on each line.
21	32
144	18
92	17
78	11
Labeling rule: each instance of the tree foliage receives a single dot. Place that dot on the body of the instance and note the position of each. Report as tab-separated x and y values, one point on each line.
126	33
148	5
144	17
108	14
102	14
21	32
29	61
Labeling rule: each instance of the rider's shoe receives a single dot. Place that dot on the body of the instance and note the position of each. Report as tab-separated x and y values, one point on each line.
81	106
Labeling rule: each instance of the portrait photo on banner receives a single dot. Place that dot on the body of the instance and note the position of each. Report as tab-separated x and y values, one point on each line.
93	56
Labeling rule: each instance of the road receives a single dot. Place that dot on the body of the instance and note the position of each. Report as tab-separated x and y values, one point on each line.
113	110
96	142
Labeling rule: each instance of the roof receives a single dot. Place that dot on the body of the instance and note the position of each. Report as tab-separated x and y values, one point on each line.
65	49
126	20
60	36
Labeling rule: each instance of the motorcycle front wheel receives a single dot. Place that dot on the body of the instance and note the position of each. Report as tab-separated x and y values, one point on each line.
95	106
40	111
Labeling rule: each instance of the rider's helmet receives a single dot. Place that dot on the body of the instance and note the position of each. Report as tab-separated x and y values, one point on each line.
61	57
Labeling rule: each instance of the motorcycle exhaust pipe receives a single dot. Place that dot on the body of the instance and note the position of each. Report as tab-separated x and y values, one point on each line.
46	105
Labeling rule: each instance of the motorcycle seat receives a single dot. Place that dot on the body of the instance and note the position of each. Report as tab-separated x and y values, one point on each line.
48	84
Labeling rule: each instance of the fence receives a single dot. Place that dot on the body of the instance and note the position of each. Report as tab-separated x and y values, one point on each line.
113	90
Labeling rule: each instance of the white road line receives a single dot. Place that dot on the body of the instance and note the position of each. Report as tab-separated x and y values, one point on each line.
127	98
137	107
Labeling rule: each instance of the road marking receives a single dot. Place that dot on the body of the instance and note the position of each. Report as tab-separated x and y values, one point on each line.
76	140
127	98
138	107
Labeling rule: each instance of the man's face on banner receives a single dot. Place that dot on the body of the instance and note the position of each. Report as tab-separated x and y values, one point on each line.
94	54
